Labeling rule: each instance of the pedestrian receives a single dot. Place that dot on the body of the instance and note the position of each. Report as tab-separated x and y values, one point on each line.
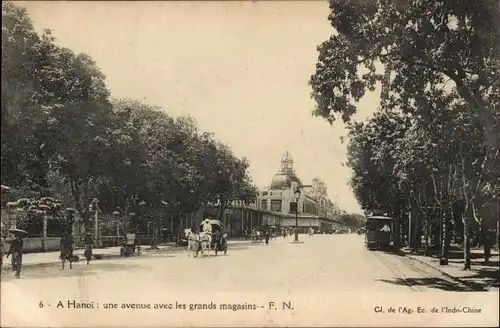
2	250
16	249
266	236
66	246
89	243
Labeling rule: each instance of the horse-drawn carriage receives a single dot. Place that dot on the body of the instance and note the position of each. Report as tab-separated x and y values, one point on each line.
258	234
219	236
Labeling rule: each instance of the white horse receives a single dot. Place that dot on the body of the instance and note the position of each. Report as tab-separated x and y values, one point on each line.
193	242
206	242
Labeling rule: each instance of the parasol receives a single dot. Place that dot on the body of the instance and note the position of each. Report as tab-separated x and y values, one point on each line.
212	222
18	231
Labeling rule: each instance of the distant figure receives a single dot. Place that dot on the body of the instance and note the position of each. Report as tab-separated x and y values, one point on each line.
89	243
16	249
266	236
217	238
66	245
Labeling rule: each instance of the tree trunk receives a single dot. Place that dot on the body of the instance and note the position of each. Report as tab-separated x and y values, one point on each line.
427	236
467	262
81	209
414	235
44	233
396	230
498	234
154	237
222	217
485	241
443	258
498	225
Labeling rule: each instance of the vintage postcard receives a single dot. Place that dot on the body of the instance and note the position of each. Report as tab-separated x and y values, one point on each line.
250	163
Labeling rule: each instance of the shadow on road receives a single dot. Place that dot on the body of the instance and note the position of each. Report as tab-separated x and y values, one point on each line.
483	279
432	283
454	254
495	264
78	270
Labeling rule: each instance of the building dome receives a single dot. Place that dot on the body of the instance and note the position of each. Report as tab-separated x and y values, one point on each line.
283	180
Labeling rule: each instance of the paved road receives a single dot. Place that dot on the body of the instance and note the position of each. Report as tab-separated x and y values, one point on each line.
321	263
312	274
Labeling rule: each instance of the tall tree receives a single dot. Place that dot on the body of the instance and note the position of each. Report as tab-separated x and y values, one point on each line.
24	54
421	45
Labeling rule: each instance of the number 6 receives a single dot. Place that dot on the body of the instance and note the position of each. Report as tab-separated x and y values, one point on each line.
40	304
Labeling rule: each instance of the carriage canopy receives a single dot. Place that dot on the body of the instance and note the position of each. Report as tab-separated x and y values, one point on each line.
216	225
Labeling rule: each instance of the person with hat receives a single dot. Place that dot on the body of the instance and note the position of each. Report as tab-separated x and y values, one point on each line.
207	227
67	247
89	243
266	237
16	249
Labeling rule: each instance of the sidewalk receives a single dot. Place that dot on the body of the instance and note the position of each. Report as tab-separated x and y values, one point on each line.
43	259
482	276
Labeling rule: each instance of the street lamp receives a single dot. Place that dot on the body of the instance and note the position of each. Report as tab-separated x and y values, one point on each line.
117	213
297	196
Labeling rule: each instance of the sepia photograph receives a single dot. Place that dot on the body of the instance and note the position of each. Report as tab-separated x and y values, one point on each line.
250	163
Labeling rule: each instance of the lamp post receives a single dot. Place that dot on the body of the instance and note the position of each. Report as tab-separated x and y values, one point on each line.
117	213
297	196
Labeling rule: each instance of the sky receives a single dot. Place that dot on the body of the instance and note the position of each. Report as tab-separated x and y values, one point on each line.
241	69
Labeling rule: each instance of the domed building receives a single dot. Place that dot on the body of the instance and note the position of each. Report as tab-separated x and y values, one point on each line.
284	178
314	207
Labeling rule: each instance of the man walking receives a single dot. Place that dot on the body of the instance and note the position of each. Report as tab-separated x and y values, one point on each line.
89	243
16	249
67	248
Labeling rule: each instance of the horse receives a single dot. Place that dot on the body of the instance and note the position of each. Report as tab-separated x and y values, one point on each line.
206	242
193	242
